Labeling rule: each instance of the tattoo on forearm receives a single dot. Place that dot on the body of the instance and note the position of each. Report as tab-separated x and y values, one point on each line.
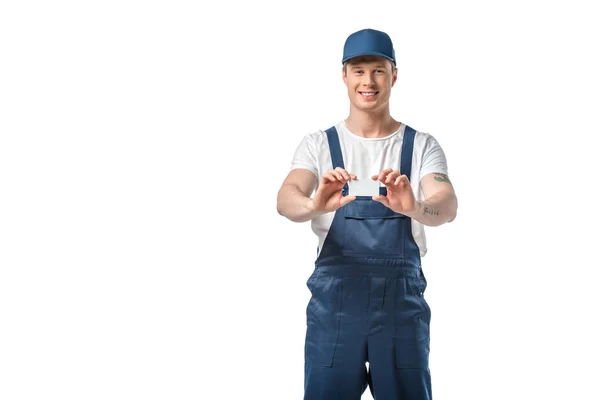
441	178
428	210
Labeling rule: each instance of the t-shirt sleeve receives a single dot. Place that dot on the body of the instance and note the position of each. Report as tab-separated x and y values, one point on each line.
434	159
305	156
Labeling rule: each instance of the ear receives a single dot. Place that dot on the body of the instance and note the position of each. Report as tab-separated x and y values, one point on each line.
344	77
394	76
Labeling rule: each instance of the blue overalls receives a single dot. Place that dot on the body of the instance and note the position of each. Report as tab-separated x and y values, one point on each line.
367	302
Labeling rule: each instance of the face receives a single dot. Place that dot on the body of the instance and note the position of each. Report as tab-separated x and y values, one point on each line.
369	83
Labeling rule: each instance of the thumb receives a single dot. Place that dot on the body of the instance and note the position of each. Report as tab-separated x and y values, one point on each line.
382	199
346	199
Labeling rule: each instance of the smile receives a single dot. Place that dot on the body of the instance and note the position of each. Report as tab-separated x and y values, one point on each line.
368	95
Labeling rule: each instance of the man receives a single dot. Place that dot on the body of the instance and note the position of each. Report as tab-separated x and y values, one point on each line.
367	287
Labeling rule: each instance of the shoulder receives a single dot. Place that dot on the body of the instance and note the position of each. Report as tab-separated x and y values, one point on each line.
318	139
423	137
425	142
317	136
431	156
312	147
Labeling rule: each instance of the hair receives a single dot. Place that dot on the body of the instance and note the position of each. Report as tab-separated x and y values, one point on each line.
361	59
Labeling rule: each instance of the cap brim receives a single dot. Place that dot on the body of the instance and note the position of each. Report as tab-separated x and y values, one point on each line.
369	53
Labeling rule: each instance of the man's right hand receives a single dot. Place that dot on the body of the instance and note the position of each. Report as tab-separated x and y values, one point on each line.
328	196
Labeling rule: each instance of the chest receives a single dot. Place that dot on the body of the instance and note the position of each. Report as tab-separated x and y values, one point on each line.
369	158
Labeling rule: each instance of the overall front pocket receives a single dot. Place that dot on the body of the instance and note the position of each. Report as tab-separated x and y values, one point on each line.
373	230
412	319
412	344
323	315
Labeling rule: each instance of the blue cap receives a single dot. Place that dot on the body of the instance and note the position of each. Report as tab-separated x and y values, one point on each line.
369	42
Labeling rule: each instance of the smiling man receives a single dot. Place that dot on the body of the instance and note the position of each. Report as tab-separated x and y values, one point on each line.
367	289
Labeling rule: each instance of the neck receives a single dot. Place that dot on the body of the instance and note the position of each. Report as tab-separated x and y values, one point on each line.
371	124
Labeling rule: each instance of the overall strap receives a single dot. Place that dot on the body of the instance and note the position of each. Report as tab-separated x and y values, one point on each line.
336	152
407	150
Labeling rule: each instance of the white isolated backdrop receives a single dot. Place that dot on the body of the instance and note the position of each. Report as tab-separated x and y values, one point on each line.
143	144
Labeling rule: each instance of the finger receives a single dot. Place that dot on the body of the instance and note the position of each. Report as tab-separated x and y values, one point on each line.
346	199
344	173
325	179
352	176
328	179
382	199
338	175
332	176
402	180
391	176
384	173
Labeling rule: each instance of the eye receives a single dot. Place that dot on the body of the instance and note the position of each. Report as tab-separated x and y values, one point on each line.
379	70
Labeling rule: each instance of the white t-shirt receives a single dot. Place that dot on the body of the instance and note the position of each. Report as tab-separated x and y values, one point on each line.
365	157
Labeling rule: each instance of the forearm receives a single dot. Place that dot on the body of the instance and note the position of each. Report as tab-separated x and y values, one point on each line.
437	209
295	205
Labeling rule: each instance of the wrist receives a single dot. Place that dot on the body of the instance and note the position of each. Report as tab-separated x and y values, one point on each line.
311	207
417	210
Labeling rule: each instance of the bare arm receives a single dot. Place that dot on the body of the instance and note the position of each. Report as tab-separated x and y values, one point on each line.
440	204
293	199
294	202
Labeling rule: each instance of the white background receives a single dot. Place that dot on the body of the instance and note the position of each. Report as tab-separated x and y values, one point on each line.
143	144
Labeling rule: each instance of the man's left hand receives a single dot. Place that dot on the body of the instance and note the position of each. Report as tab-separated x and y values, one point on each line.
400	197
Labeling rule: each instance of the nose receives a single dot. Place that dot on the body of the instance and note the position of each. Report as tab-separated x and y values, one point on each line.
368	80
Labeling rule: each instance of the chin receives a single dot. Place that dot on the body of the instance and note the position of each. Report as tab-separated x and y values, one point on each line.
367	106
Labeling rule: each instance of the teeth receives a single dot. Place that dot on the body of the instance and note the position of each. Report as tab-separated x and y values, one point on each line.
368	93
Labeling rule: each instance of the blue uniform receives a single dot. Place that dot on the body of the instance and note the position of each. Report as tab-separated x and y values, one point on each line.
367	302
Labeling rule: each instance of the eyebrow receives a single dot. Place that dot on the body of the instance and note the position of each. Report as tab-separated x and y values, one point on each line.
376	66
